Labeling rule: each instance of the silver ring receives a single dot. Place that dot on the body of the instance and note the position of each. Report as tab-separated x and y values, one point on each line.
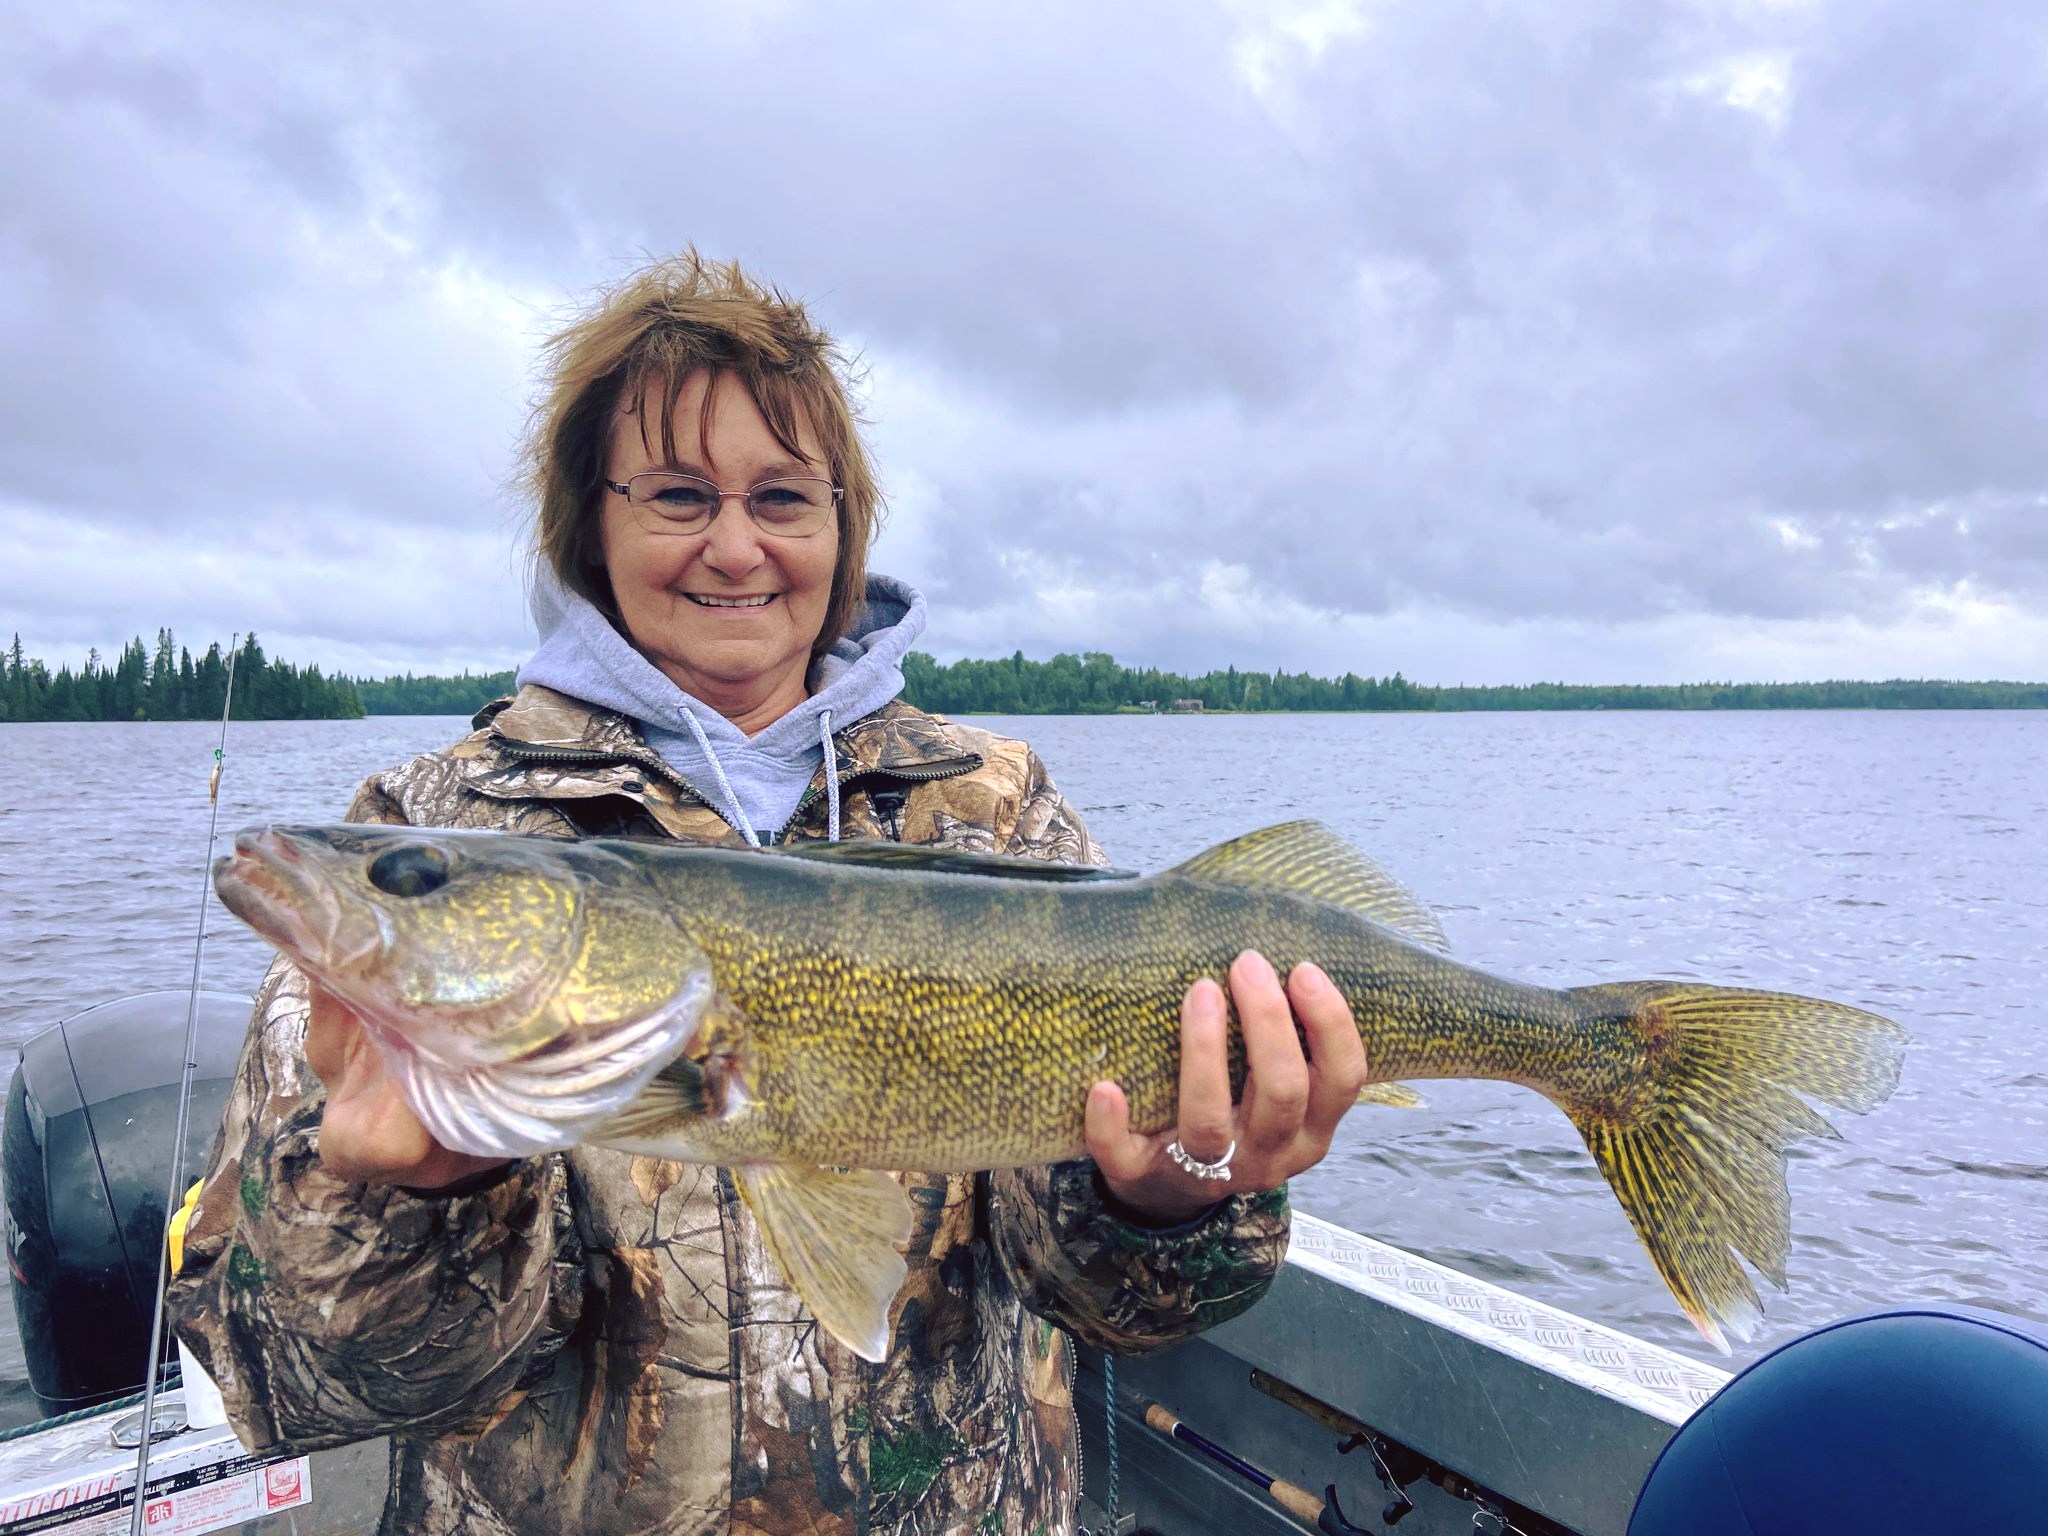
1188	1162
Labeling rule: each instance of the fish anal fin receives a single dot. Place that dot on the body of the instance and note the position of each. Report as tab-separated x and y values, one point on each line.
1390	1096
1305	858
834	1236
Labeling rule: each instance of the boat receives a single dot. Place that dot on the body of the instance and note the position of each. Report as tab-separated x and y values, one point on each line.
1371	1389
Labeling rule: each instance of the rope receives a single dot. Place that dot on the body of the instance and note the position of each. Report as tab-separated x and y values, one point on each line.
77	1415
734	811
175	1198
1109	1434
831	774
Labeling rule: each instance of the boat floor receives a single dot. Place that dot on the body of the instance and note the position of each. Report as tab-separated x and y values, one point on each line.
1518	1407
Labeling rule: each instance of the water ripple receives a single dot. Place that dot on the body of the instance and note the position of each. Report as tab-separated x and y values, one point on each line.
1560	849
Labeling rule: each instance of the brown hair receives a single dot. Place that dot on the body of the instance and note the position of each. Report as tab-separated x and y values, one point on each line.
648	333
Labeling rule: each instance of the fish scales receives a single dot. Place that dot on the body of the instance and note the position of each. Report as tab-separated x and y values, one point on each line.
903	1030
812	1017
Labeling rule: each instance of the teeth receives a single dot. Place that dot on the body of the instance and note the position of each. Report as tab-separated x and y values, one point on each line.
733	602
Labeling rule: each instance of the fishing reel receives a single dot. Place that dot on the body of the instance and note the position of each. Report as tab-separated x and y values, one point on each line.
1396	1467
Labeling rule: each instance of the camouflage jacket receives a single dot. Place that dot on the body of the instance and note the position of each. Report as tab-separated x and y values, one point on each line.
598	1342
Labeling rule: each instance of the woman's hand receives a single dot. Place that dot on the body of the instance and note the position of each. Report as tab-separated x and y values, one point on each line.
368	1133
1291	1103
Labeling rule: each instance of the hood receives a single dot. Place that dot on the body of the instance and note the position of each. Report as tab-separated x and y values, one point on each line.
755	781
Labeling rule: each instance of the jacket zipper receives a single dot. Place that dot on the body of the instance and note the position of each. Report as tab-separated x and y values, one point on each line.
913	773
591	755
925	773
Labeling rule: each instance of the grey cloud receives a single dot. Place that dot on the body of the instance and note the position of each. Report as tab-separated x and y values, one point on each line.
1082	205
1497	311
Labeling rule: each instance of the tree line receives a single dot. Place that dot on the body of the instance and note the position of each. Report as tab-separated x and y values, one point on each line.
1066	685
168	683
1094	683
1898	693
410	695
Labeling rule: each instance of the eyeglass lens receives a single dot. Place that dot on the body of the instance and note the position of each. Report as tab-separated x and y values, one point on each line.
685	504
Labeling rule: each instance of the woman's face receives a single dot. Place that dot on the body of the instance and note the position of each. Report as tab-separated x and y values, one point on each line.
676	592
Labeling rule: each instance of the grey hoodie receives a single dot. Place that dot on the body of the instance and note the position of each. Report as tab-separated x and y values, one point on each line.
754	782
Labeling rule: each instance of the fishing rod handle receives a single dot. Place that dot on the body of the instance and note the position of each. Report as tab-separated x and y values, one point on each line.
1292	1497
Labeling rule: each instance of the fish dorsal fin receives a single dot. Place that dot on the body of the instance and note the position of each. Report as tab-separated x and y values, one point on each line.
1305	858
945	861
834	1235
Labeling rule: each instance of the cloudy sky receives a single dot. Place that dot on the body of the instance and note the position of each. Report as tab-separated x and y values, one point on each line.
1593	339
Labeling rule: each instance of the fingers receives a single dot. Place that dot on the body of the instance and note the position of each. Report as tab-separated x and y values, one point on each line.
1206	1118
1118	1153
1292	1098
331	1032
1293	1095
368	1133
1135	1165
1277	1085
1337	1065
375	1137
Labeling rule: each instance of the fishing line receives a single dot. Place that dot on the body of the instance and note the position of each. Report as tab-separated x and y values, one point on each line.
175	1198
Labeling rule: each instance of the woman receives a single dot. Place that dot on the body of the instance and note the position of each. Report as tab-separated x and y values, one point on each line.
597	1342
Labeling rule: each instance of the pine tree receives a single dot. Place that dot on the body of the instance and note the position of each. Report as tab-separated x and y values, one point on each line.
209	684
253	690
14	699
161	696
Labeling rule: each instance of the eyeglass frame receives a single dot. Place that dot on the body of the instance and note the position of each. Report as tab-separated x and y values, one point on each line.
625	489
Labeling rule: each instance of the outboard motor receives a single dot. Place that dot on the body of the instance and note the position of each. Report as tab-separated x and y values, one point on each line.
87	1152
1909	1421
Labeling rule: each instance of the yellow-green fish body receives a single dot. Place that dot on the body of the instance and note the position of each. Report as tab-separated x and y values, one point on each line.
949	1022
869	1007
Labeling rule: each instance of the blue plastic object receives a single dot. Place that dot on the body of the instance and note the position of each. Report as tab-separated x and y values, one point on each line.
1900	1423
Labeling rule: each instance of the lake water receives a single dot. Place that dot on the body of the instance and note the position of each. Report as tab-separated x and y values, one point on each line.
1892	860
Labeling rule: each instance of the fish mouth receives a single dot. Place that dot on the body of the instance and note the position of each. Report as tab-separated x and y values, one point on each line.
271	884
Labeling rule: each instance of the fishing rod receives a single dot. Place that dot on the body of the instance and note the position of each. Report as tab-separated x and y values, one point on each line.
175	1199
1321	1511
1396	1466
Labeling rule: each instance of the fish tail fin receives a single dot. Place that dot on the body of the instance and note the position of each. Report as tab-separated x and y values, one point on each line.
1696	1153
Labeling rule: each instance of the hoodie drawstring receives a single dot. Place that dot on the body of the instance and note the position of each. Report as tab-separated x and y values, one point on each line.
734	811
831	774
737	814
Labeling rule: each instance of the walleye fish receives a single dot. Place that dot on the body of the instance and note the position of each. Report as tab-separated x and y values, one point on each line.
811	1016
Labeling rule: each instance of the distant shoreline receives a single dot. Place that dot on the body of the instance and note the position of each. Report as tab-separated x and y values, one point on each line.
1214	714
165	683
1096	684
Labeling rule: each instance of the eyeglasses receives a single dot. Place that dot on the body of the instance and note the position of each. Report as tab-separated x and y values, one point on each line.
665	502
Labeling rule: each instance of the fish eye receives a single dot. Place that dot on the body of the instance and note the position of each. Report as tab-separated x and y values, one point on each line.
413	870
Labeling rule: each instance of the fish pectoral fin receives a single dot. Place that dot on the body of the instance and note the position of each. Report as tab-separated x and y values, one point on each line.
1390	1096
942	861
1305	858
834	1236
673	1097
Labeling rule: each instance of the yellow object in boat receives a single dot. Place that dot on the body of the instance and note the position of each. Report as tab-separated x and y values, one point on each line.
181	1218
